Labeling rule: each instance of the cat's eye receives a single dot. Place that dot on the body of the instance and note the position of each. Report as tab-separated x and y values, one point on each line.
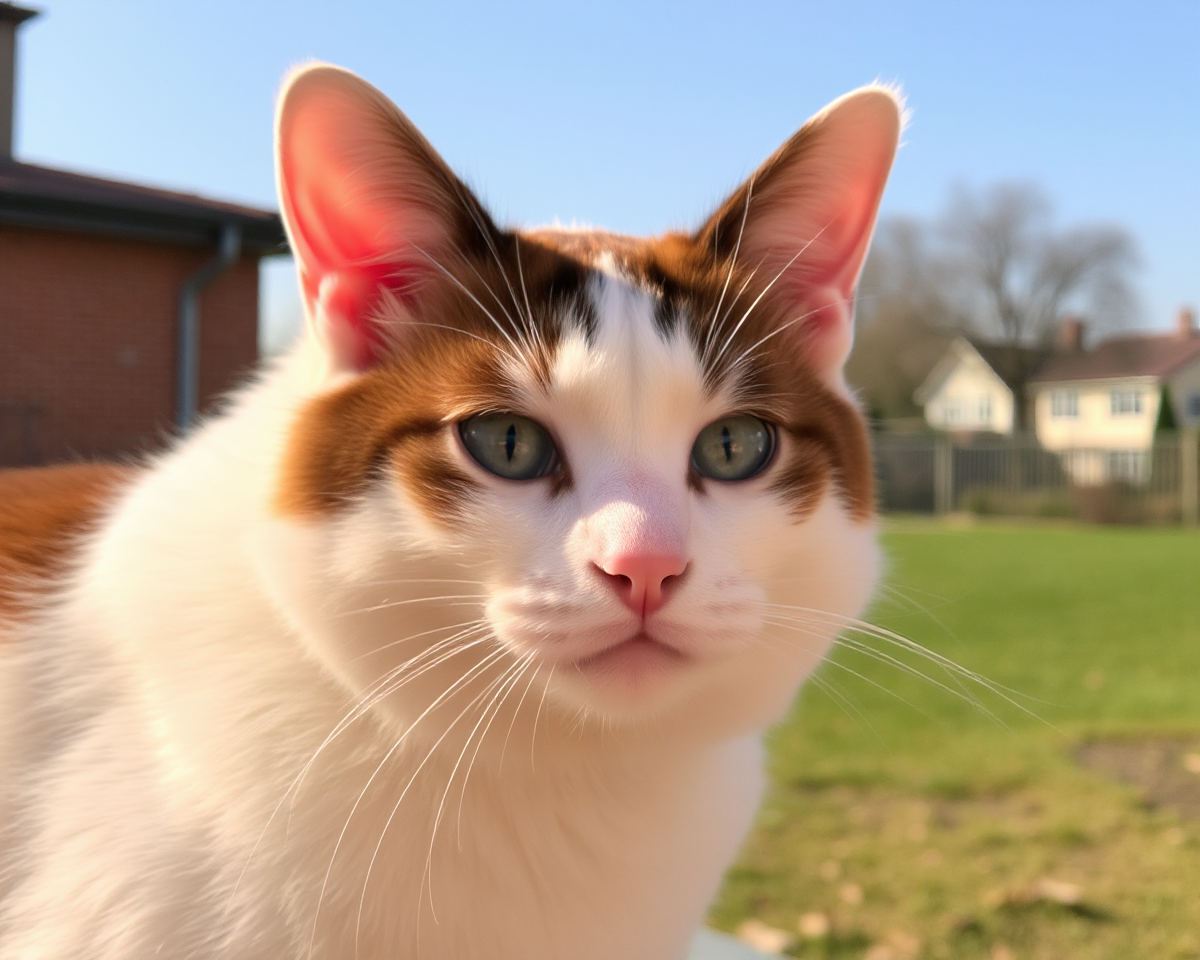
733	448
509	446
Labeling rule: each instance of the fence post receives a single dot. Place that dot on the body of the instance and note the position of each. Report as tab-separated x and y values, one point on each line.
943	474
1189	483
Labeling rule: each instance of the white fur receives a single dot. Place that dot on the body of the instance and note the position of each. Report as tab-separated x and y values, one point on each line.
158	715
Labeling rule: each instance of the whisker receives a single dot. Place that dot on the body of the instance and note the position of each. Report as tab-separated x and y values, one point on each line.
516	350
403	793
516	713
945	663
391	604
360	707
719	326
537	336
874	683
465	678
527	662
415	636
501	685
390	683
732	264
538	716
844	703
764	291
427	876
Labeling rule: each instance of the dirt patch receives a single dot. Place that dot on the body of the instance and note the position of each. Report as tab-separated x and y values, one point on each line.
1166	771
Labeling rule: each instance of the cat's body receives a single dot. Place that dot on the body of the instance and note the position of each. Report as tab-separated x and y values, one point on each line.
321	682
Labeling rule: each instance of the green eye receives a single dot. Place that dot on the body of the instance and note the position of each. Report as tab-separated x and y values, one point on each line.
733	448
509	446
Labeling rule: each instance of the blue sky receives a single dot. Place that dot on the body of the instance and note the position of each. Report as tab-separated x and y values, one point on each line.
641	116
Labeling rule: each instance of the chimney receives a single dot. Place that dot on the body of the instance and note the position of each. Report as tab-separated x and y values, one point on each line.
11	17
1185	323
1070	335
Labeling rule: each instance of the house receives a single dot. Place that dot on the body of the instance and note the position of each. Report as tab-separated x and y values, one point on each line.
978	387
124	310
1103	403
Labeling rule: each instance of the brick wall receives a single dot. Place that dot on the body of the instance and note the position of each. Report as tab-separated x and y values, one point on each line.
88	341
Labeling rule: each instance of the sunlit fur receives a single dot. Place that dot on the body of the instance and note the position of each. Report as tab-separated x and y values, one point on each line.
370	731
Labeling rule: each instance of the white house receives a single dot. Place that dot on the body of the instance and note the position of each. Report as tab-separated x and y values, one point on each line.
976	386
1100	406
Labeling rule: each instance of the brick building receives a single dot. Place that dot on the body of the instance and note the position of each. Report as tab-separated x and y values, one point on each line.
123	309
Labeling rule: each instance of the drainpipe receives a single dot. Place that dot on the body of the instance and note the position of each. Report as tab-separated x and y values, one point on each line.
187	399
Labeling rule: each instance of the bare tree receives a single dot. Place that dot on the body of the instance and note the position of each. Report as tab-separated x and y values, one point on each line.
993	265
1016	275
904	318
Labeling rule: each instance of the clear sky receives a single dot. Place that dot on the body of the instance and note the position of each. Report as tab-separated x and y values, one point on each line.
640	116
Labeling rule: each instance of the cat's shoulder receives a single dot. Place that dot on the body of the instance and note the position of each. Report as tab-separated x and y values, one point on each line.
44	511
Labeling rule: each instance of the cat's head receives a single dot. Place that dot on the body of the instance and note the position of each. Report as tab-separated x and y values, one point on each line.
628	472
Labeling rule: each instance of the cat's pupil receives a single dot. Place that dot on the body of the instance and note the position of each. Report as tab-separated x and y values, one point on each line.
726	444
510	441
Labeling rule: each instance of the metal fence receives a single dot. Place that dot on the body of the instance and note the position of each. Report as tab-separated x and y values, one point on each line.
1015	476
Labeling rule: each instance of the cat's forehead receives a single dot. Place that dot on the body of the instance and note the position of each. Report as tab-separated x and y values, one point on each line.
626	382
648	298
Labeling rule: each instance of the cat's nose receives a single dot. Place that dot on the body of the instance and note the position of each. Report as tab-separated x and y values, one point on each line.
643	580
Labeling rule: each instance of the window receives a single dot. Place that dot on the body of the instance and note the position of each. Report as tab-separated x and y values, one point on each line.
985	410
1128	466
1064	403
1126	402
1193	405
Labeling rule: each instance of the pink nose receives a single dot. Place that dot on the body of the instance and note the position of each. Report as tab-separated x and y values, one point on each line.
641	579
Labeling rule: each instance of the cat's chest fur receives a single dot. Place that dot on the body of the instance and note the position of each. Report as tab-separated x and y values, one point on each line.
454	635
206	801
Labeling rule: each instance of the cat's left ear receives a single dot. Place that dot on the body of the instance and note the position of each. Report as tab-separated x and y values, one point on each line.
372	212
807	215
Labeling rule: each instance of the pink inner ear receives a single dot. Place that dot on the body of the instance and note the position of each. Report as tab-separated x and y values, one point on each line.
356	197
828	236
816	215
827	330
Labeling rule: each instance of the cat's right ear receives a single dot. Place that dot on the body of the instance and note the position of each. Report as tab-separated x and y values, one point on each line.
371	210
804	220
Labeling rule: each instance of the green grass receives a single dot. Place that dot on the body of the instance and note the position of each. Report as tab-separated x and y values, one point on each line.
946	814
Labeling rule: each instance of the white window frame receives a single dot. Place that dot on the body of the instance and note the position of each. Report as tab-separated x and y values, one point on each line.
1125	402
1064	404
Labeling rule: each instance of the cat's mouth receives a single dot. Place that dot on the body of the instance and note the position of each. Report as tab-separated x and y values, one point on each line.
637	657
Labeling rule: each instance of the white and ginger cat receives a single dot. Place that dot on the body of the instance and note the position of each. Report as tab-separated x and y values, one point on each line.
455	634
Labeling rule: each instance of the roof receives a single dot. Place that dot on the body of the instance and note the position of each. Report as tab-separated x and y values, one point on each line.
1153	355
1012	364
11	13
37	196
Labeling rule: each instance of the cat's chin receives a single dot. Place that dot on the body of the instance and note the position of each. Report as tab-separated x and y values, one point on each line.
634	662
630	679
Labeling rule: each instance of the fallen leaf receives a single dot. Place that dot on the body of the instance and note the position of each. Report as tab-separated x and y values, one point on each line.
905	944
814	926
1059	891
756	934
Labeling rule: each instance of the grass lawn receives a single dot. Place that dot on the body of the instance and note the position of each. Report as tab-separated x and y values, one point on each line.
906	822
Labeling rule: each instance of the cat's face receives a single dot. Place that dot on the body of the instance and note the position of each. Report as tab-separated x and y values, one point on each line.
623	474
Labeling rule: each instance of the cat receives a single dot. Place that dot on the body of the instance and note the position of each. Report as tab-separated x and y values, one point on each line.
455	633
